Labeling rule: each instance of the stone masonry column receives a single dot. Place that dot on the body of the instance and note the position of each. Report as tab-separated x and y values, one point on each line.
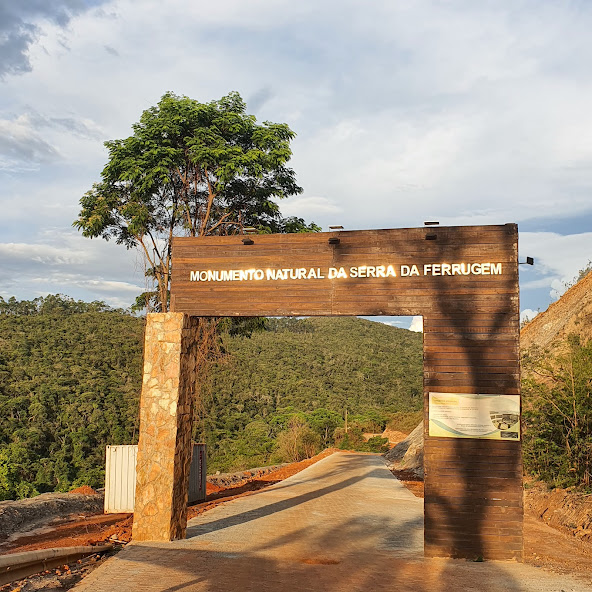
166	410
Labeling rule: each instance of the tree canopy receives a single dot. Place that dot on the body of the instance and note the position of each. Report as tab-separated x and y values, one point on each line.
190	169
71	375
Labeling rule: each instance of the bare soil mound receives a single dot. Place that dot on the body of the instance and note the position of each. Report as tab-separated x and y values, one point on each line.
224	480
37	512
85	489
563	509
394	436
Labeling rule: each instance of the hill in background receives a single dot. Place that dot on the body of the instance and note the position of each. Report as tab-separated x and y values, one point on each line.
70	380
315	368
322	362
70	376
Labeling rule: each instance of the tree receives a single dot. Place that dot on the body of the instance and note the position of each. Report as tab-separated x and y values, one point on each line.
191	169
323	422
298	442
558	414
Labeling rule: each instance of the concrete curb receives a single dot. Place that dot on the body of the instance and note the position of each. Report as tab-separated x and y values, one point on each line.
20	565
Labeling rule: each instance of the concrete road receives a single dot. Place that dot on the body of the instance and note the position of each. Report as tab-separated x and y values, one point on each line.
343	524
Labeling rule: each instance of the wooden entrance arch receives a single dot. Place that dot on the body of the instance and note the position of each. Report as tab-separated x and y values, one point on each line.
462	280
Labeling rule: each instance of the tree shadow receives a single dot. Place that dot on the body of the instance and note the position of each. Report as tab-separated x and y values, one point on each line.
161	569
480	514
288	502
366	551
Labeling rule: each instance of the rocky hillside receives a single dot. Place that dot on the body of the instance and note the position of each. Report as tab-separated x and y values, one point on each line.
572	313
408	454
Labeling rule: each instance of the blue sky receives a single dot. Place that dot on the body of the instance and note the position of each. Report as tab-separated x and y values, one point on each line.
463	112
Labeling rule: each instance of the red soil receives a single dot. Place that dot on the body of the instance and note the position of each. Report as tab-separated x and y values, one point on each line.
85	490
86	530
117	528
411	481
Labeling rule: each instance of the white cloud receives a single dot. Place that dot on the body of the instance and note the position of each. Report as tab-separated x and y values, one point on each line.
40	253
527	315
21	147
68	263
21	26
544	282
557	257
94	285
391	323
308	207
115	293
469	113
416	325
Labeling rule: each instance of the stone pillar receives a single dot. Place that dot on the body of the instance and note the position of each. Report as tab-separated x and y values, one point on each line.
166	409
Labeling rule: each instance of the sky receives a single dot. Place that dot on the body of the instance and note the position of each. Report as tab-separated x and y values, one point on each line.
459	111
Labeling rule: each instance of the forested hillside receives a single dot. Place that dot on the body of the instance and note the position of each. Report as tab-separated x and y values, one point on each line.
70	375
70	379
317	366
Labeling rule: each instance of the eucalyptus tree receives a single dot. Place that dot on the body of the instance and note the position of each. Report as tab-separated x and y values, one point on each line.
190	169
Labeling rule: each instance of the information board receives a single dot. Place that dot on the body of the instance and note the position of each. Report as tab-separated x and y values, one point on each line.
464	415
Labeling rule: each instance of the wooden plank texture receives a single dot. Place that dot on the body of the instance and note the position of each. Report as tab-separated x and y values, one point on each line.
366	252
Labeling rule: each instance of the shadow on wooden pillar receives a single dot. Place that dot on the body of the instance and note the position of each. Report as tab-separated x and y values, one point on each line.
166	409
473	487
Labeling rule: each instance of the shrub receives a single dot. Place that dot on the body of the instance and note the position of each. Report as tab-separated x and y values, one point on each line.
298	442
558	416
405	421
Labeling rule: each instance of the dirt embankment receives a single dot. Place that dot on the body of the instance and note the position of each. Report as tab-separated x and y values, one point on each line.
563	509
37	512
572	313
225	480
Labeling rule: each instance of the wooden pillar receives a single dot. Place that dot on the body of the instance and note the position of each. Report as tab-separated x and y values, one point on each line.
166	409
473	486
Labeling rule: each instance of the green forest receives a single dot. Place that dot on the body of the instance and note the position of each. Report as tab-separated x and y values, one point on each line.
280	390
70	376
70	381
297	378
557	413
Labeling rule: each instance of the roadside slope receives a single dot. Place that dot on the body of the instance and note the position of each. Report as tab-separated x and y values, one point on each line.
572	313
